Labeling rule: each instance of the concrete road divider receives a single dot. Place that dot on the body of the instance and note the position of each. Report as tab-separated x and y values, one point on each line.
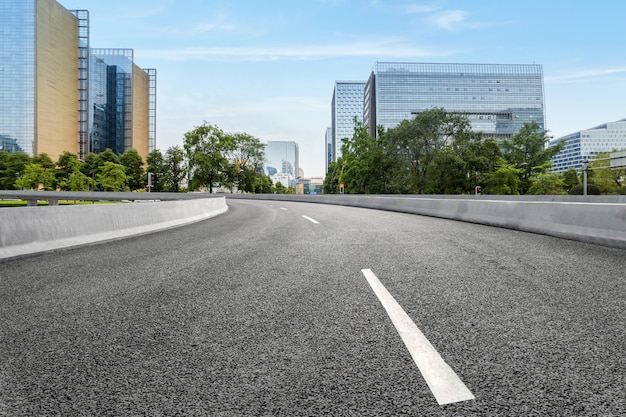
28	230
592	219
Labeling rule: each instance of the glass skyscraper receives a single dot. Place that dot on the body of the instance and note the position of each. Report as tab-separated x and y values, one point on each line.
282	162
496	98
57	94
347	104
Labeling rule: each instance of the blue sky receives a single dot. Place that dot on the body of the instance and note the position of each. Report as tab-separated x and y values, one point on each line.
268	67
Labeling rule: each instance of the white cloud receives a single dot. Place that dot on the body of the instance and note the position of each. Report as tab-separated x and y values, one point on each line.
389	48
452	20
586	75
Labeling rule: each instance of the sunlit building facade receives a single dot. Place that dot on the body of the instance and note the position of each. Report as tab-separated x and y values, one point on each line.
346	106
282	162
496	98
54	92
585	145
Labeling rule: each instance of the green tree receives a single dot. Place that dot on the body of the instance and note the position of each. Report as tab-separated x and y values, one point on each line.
112	177
527	150
547	183
34	177
570	178
246	159
12	166
90	167
67	164
607	179
420	140
363	167
175	170
156	165
133	167
206	148
504	180
77	181
331	179
263	184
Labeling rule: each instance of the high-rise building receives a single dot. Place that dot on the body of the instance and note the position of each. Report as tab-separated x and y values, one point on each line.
282	162
328	148
496	98
347	105
586	144
46	103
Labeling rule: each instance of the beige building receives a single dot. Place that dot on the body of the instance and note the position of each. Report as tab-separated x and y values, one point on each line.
56	95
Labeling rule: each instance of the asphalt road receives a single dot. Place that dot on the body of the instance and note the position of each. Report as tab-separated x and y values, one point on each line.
263	312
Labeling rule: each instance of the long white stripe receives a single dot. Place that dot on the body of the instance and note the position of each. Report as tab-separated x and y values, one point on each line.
445	385
311	220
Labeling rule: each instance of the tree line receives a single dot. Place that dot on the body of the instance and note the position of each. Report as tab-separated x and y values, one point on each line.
209	158
438	153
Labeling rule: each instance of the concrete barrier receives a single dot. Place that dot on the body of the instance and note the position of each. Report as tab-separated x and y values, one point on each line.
29	230
592	219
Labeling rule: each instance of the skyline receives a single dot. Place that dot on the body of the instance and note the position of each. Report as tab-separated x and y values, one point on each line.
269	68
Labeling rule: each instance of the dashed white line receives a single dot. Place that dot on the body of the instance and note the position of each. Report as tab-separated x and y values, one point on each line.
282	208
445	385
311	220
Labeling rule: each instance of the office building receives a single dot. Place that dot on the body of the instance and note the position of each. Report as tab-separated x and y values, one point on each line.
496	98
46	103
586	144
328	148
347	105
282	162
121	101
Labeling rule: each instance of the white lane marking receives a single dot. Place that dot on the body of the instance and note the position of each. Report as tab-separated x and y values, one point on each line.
282	208
445	385
311	220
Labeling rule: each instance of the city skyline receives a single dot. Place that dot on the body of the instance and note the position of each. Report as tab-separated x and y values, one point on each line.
269	69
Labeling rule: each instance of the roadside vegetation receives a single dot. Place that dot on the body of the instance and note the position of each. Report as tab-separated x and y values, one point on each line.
434	153
437	153
209	158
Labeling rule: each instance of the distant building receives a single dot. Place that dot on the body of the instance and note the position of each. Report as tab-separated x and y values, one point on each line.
328	148
46	103
496	98
313	185
346	106
282	162
586	144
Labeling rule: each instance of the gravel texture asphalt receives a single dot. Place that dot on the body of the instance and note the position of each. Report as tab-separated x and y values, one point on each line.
260	312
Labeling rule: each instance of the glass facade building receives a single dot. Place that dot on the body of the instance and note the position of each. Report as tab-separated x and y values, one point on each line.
347	104
587	144
282	162
496	98
111	100
58	94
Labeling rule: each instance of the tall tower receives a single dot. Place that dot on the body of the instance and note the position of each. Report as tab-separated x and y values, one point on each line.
347	104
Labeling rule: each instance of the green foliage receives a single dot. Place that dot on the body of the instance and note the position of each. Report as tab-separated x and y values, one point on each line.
263	184
12	167
570	178
527	150
133	167
205	148
175	170
608	181
545	183
156	165
579	189
77	181
246	159
504	180
34	177
112	177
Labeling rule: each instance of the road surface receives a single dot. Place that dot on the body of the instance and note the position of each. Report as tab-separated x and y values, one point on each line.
295	309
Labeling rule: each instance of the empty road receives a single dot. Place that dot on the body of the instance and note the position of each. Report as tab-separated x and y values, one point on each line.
294	309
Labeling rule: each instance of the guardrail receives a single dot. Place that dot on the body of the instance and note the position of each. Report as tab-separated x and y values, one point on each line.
592	219
28	230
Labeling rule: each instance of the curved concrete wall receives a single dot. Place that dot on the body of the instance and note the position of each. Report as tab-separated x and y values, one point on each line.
593	219
28	230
